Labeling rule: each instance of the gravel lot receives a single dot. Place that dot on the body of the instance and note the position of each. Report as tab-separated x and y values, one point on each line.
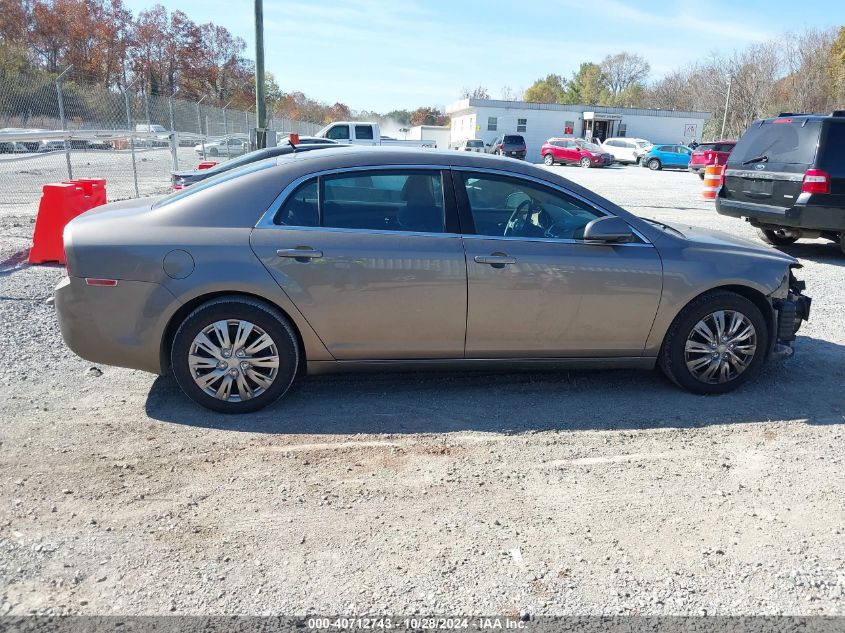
557	493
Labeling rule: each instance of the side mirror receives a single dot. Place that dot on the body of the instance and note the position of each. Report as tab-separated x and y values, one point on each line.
610	229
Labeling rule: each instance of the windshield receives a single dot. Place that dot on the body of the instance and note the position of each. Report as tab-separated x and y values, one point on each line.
214	180
664	227
643	144
251	157
475	143
590	147
785	143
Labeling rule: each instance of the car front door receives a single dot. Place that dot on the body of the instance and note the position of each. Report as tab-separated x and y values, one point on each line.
535	287
374	261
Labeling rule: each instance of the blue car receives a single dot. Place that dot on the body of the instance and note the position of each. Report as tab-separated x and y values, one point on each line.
667	156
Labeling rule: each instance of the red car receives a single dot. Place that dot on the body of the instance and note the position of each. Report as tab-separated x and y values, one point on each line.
709	154
574	151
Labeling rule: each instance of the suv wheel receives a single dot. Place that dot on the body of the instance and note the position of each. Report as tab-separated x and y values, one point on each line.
653	164
716	343
778	237
842	241
234	355
549	160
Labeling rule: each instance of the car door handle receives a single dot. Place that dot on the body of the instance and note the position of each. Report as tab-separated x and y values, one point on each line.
300	254
497	260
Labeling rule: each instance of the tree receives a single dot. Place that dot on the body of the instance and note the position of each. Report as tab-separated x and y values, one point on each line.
623	71
428	116
479	92
551	89
403	117
509	94
587	86
836	65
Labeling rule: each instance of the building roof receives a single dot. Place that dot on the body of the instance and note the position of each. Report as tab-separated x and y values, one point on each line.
464	105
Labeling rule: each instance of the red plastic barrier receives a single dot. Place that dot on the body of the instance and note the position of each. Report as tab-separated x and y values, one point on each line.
60	203
207	164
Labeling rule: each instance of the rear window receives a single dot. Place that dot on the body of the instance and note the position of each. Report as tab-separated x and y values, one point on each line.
514	139
706	147
786	143
215	180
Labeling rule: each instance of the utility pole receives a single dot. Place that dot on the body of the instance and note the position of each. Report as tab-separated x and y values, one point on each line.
727	101
260	103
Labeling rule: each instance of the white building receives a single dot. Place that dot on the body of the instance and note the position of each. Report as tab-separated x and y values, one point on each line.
487	119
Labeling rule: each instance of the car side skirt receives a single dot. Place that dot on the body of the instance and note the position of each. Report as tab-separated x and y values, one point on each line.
480	364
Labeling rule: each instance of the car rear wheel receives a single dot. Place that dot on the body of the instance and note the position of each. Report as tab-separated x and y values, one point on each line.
653	164
234	355
549	160
717	343
585	163
842	242
701	175
778	237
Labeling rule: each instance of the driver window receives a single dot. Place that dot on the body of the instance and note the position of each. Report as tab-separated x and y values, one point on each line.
503	206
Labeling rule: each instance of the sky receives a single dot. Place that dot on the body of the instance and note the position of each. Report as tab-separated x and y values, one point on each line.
382	55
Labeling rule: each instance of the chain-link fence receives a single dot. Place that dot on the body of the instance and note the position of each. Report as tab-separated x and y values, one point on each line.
55	130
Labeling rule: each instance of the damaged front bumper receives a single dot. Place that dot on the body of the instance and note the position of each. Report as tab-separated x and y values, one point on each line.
790	312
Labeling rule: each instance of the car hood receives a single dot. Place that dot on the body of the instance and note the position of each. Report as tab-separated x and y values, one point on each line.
717	240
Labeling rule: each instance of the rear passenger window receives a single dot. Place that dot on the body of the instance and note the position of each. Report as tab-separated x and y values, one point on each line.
834	149
364	132
300	209
395	200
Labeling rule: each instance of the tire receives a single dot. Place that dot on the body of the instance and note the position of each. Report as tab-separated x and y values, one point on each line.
842	242
548	160
499	152
213	152
264	320
673	354
776	237
701	175
585	163
653	164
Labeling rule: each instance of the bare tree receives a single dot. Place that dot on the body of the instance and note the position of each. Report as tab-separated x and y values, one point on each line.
806	56
509	94
623	71
480	92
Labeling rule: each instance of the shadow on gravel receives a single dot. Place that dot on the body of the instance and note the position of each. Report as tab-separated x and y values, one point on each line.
821	252
807	387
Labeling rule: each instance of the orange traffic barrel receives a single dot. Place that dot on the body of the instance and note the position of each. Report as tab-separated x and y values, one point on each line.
712	181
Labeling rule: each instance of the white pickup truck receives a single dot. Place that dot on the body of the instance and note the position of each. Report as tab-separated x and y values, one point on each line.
358	133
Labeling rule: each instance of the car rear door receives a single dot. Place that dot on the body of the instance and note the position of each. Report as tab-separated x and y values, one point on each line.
535	290
768	163
373	260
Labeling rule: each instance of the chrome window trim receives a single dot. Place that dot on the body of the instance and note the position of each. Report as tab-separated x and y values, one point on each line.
266	220
761	174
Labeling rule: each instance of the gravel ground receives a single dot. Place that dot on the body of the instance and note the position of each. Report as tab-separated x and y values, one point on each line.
556	493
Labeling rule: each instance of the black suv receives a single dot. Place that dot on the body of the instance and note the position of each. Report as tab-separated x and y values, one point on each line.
786	176
508	145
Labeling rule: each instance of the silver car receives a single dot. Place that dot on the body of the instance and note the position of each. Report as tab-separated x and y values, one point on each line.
371	258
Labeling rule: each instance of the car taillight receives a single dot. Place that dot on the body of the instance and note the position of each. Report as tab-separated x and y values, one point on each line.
816	181
90	281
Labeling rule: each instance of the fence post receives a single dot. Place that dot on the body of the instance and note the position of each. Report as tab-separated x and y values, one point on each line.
131	137
199	127
226	129
61	100
174	141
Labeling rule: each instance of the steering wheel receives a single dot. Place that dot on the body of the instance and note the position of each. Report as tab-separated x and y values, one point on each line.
519	218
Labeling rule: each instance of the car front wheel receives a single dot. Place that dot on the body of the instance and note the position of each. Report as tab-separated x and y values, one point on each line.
585	163
716	343
549	160
234	355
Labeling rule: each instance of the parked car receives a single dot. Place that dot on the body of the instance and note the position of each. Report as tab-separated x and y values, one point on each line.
19	145
512	145
469	145
705	154
363	133
226	146
357	258
182	179
626	150
569	151
666	157
786	176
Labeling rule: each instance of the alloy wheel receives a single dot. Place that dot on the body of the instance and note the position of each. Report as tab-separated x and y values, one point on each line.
720	347
233	360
